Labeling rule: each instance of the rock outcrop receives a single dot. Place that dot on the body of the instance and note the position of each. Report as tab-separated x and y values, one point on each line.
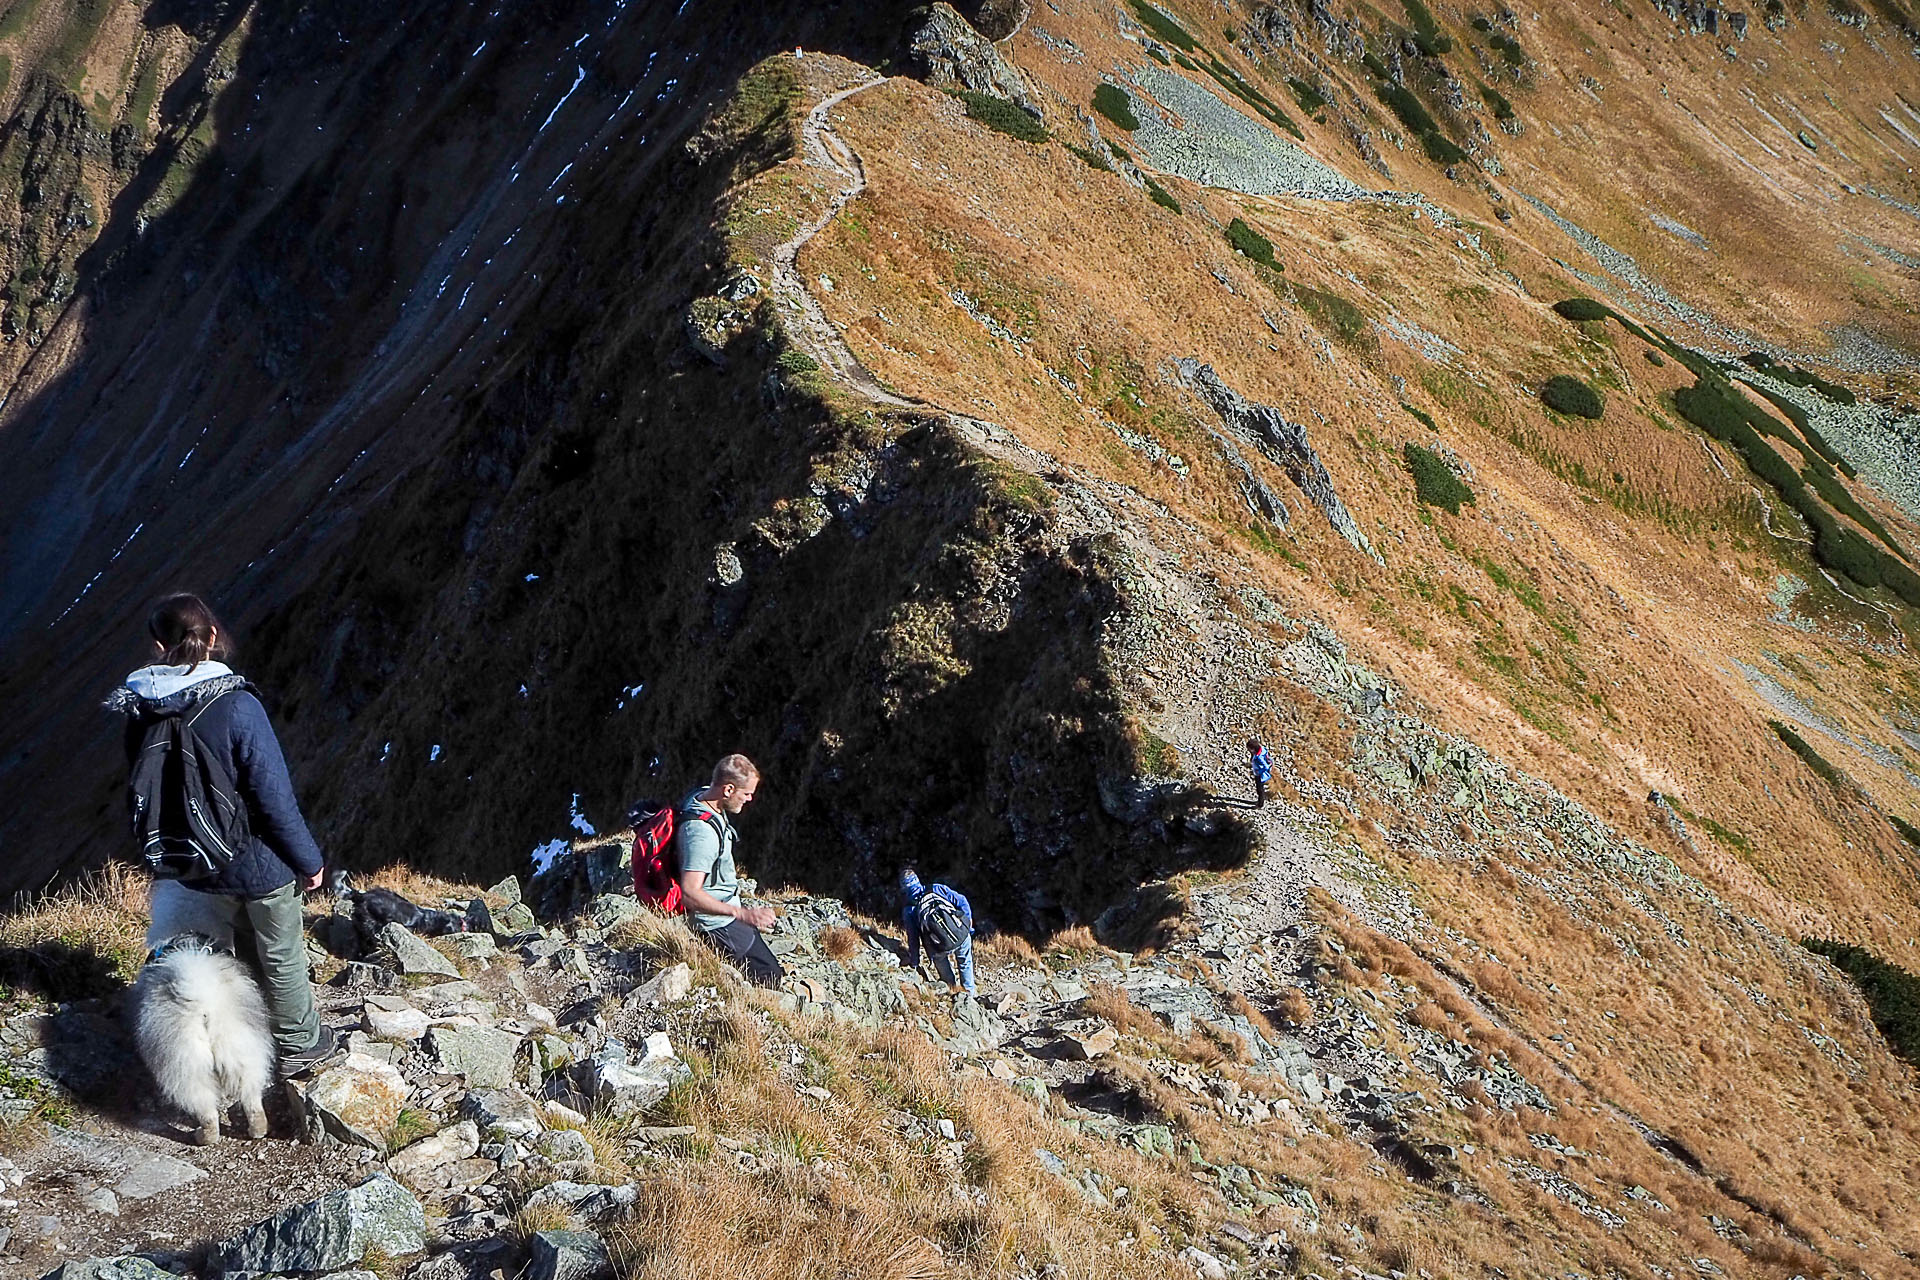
1284	442
952	55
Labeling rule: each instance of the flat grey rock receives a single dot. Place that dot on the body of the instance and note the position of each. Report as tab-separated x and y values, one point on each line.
141	1173
118	1268
412	953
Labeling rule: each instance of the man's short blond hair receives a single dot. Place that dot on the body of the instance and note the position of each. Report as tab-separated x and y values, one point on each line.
736	770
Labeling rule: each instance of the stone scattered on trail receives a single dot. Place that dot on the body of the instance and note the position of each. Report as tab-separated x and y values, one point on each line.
568	1255
664	987
509	1112
327	1234
357	1102
142	1173
484	1057
119	1268
626	1087
564	1146
584	1199
952	55
412	953
391	1018
421	1165
1089	1045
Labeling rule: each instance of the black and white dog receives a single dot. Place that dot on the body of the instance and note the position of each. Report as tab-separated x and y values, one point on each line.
199	1019
375	909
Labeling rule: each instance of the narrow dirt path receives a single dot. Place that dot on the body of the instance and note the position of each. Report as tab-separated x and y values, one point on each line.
806	322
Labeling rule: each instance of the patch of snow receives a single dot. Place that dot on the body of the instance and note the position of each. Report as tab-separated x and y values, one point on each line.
578	820
543	855
433	754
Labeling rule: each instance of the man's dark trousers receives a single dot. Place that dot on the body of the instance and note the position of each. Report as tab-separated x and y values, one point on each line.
741	943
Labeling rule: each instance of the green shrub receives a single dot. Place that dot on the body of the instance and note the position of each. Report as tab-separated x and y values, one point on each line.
1159	194
1411	111
1803	378
1481	25
1798	417
1163	26
1908	832
1570	395
1654	358
1111	101
795	361
1896	577
1502	109
1310	99
1251	243
1002	116
1583	309
1153	51
1828	486
1421	414
1433	480
1093	159
1892	994
1798	745
1508	48
1371	61
1420	122
1427	35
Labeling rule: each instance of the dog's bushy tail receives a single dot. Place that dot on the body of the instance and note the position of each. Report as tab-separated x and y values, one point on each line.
201	1026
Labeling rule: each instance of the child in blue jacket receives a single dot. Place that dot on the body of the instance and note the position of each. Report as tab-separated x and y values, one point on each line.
956	965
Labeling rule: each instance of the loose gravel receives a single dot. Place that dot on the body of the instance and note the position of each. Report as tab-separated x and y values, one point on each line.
1222	147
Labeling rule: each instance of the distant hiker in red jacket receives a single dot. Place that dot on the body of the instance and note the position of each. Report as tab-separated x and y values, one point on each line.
1262	770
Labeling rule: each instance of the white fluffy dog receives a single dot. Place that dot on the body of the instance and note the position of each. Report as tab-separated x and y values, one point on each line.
198	1016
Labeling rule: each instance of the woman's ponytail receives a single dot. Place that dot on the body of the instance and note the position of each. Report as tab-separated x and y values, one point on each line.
186	631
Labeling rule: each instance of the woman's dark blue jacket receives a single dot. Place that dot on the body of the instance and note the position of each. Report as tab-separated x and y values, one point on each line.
280	849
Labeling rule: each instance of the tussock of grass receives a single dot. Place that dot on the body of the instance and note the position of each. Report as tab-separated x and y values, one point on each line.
1002	116
1434	482
1892	993
1112	102
84	940
1800	747
1338	316
1565	394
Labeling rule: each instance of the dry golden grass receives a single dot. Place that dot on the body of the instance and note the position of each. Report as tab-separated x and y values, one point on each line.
841	943
1011	947
1077	940
85	939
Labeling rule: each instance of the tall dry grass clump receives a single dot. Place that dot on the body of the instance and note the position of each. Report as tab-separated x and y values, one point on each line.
84	939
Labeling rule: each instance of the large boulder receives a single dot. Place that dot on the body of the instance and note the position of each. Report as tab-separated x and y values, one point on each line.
327	1234
357	1102
484	1057
952	55
412	953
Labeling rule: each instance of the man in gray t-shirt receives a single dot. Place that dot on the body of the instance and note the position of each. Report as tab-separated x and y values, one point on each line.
710	883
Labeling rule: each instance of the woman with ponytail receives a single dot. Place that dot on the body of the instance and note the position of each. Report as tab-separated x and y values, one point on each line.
259	890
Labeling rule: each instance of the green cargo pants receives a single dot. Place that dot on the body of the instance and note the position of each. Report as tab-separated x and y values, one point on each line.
278	933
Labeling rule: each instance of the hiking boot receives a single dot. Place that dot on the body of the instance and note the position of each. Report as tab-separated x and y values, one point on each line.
299	1064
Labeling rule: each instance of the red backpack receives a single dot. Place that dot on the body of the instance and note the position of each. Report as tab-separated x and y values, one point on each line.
656	879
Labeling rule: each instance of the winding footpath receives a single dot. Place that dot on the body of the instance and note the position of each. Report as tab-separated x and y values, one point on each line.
806	322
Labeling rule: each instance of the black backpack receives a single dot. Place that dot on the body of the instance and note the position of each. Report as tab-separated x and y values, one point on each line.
188	817
942	927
